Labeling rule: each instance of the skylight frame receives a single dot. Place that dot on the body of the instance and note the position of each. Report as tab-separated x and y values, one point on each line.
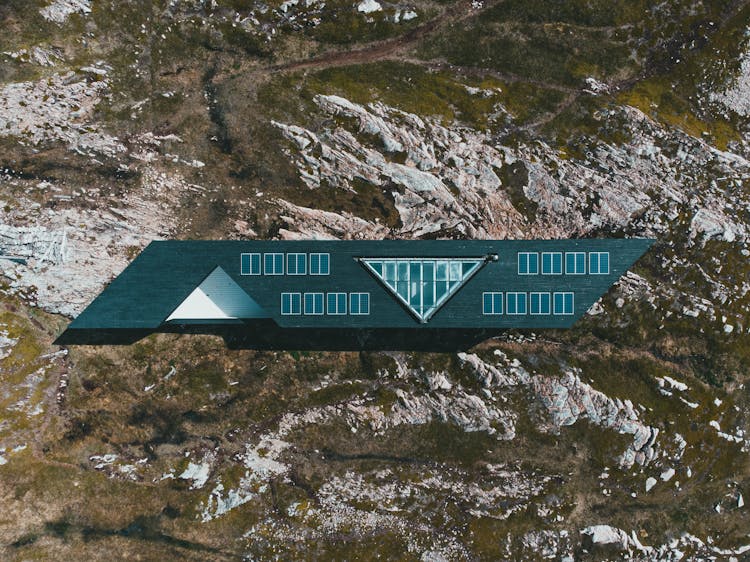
425	311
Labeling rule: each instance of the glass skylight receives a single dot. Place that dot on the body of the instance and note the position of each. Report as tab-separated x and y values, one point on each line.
423	285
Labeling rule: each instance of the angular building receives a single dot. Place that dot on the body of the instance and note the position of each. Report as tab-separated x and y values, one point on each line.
385	294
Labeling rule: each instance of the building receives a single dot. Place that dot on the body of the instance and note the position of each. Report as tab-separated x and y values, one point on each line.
385	294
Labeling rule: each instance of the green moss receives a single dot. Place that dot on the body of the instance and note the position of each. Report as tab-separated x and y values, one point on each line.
659	98
555	53
341	23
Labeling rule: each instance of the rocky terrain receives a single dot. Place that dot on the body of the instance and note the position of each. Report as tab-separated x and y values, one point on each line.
625	438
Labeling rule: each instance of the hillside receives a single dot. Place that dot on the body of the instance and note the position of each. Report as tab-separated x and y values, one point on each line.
626	437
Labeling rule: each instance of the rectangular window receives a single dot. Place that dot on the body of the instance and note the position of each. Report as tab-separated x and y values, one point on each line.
551	263
273	264
492	303
540	303
313	303
359	303
528	263
515	303
563	303
599	263
249	264
575	263
291	303
336	303
296	264
320	264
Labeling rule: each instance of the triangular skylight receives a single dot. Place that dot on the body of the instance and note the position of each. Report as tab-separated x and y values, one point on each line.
218	297
423	285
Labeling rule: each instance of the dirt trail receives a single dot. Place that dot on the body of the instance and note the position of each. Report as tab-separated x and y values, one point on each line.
389	48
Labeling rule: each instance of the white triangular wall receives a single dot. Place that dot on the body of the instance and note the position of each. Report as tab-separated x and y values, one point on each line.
218	297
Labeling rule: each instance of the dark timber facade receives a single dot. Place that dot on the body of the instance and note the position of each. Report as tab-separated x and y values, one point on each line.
385	294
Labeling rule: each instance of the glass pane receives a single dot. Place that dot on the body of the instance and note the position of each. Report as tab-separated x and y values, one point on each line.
523	263
377	266
403	271
546	263
511	303
325	264
415	294
455	271
296	303
415	270
332	303
557	263
467	268
402	288
558	301
521	303
354	303
581	263
441	289
255	270
569	303
390	271
594	262
570	263
301	262
604	262
498	303
534	303
428	294
428	271
545	303
442	271
245	264
487	305
534	264
342	303
364	303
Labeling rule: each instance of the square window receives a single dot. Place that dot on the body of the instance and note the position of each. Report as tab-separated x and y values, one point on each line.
336	303
291	303
319	264
492	303
313	303
273	264
528	263
516	303
249	264
551	263
296	264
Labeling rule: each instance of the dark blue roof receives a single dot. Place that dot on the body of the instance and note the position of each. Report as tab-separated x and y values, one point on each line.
166	272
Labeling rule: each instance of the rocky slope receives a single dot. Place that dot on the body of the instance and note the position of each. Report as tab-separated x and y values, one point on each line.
623	438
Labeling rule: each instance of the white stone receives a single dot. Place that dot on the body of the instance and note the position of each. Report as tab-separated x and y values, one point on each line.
667	475
369	6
